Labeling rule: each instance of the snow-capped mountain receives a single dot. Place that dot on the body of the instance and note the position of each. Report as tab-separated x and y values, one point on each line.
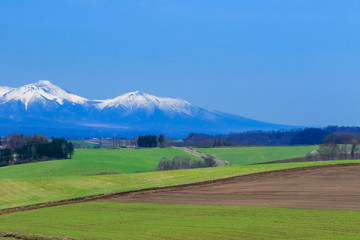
45	108
137	100
40	92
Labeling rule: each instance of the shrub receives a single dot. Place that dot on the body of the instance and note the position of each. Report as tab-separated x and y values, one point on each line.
180	162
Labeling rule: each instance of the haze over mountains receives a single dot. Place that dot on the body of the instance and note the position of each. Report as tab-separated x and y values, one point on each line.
45	108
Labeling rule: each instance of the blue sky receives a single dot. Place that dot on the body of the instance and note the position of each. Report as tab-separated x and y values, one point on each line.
292	62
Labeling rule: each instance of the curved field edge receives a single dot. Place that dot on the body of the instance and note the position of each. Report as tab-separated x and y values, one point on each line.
111	220
24	192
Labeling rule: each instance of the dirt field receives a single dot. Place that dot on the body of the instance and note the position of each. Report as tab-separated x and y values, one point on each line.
330	187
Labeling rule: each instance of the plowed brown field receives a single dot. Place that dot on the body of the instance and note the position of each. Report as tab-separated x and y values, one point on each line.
331	187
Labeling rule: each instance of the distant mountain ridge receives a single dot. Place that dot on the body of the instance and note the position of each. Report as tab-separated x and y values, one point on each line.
43	107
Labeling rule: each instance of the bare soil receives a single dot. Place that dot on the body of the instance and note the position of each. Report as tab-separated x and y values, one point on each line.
328	187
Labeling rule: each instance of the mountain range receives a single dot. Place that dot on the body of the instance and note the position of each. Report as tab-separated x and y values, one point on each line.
45	108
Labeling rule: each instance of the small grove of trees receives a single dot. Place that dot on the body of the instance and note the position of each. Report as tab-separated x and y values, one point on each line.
20	149
151	141
180	162
57	148
338	146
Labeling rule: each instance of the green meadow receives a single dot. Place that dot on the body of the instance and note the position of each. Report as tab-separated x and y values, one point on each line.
95	161
253	155
112	220
99	171
103	161
31	190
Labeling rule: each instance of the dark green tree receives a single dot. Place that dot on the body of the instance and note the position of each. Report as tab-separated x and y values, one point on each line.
147	141
162	140
6	156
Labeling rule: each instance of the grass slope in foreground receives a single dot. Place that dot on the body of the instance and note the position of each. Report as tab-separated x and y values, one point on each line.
252	155
109	220
95	161
27	191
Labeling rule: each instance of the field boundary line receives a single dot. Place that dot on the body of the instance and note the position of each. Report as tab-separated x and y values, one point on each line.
173	187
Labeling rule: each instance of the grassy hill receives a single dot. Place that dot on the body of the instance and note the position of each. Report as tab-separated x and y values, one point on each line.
95	161
252	155
111	220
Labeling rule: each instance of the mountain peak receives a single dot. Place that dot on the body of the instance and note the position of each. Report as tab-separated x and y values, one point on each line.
132	101
41	91
43	83
135	94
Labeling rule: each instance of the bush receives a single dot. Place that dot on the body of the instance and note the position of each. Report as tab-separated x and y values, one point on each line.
180	162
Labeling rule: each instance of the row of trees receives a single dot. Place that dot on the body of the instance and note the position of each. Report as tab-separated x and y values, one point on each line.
18	149
264	138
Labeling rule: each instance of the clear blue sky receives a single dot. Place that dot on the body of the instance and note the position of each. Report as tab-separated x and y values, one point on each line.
291	62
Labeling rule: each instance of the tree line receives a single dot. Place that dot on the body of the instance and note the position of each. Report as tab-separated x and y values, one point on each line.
18	149
307	136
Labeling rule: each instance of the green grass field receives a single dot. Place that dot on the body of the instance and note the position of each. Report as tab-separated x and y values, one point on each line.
28	184
25	191
111	220
95	161
100	161
252	155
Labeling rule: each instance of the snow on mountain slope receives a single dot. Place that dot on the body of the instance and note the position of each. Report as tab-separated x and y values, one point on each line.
137	100
41	91
44	91
4	90
45	108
